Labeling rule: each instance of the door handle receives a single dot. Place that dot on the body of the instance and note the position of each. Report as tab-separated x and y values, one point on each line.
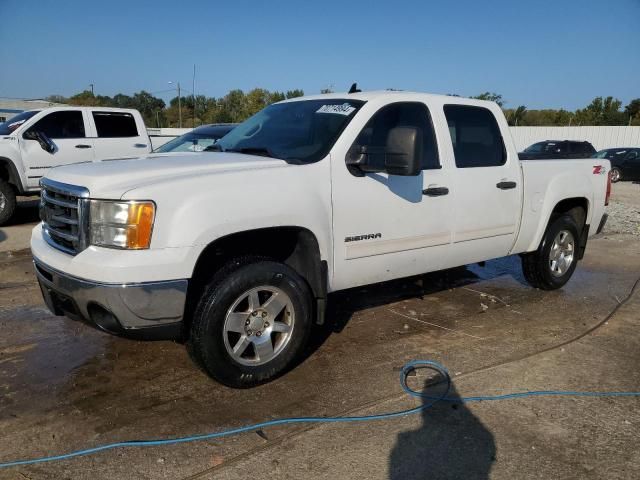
506	185
140	145
82	145
435	191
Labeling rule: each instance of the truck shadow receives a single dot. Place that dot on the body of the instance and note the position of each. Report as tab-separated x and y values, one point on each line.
26	212
451	443
341	306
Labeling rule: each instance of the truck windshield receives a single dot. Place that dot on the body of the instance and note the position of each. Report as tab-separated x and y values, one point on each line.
298	132
14	122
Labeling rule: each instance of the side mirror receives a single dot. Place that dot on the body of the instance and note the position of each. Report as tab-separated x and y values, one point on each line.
403	151
45	142
363	159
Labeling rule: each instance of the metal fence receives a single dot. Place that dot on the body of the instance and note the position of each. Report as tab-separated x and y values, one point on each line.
600	137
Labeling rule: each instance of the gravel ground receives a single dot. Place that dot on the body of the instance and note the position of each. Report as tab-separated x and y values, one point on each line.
624	209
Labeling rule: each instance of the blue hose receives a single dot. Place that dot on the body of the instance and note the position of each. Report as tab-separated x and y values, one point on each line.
404	373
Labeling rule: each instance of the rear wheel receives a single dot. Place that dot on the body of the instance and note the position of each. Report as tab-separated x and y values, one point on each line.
553	264
7	201
252	322
616	174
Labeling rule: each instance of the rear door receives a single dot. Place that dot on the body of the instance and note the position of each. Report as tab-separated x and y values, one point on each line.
68	131
118	134
487	185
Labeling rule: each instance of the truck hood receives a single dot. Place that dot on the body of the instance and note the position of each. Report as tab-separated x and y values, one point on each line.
114	177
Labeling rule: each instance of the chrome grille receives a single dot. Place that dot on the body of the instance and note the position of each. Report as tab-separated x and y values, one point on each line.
64	211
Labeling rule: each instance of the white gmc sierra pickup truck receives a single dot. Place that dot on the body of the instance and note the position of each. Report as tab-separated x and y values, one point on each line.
34	141
236	250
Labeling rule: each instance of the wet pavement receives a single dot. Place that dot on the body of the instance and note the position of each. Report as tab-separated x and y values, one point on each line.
65	386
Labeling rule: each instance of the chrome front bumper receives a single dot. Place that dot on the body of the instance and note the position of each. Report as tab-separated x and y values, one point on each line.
156	308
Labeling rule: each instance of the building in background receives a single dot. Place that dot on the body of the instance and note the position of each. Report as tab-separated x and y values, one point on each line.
9	107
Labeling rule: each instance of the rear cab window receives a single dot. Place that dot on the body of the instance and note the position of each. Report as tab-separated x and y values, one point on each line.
115	124
476	137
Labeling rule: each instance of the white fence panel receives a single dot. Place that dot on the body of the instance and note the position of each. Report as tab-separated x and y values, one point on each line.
600	137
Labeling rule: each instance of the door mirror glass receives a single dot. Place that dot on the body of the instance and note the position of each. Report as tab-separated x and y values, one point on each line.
362	159
403	151
45	142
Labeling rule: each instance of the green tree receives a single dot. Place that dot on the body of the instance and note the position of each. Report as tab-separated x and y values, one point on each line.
516	116
601	111
492	97
88	99
633	111
295	93
147	105
256	100
56	99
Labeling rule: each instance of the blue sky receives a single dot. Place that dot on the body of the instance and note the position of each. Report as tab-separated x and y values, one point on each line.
556	54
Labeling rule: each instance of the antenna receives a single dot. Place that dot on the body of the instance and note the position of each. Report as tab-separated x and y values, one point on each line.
354	88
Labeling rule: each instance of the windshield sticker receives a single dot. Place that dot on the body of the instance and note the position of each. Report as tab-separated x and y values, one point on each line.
344	109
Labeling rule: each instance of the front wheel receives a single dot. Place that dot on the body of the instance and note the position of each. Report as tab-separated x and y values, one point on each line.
252	322
7	201
553	264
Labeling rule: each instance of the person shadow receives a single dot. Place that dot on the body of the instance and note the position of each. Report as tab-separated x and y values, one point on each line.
451	443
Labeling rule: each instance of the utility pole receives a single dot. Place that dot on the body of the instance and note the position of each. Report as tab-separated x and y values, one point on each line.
193	92
179	107
179	104
91	85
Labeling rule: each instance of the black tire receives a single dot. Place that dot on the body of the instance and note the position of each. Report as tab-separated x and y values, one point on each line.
7	202
207	339
536	266
616	175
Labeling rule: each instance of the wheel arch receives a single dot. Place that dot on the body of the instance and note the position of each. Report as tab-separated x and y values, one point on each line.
577	207
9	173
294	246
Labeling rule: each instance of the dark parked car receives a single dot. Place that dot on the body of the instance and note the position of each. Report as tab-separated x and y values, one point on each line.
557	149
197	140
625	163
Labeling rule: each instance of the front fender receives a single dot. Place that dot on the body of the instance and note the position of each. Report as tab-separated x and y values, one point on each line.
196	211
11	160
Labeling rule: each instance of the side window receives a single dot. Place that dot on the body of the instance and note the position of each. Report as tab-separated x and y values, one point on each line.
580	147
633	155
562	147
63	124
115	124
404	114
476	137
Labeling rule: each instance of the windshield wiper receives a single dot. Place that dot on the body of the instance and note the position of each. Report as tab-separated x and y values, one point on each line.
261	151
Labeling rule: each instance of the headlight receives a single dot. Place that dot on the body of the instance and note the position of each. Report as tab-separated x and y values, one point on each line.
121	224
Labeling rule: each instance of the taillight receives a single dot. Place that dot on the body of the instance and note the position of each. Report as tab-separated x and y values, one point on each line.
608	194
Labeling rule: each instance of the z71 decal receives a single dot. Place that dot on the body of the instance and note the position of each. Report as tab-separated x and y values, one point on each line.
368	236
599	170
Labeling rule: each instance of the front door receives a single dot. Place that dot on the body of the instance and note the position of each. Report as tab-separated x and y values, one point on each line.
66	128
388	226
